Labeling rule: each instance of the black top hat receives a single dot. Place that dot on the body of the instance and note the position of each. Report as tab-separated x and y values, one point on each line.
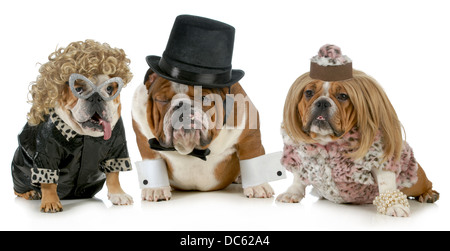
199	52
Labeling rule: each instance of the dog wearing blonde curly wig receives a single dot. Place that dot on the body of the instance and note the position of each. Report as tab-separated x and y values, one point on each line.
74	140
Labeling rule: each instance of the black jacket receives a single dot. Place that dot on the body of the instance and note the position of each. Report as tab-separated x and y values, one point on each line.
52	152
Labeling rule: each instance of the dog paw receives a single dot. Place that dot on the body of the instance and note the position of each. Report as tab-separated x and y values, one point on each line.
429	196
51	207
392	203
120	199
288	197
30	195
156	194
398	211
260	191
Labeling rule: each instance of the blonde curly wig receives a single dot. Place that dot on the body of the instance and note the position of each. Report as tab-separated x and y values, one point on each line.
88	58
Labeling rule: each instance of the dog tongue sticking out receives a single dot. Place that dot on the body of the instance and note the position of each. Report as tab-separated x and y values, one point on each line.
106	129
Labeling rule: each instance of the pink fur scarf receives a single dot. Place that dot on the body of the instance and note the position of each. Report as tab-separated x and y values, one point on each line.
340	179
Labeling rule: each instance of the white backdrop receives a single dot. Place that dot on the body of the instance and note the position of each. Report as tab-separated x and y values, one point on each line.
403	44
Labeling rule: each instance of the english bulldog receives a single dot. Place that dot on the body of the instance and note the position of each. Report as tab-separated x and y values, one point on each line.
342	136
155	105
195	126
74	140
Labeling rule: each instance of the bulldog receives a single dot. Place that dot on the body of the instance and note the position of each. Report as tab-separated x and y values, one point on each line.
155	105
342	136
195	125
74	139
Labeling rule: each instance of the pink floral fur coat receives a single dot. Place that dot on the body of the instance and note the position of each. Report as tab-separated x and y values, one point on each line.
339	178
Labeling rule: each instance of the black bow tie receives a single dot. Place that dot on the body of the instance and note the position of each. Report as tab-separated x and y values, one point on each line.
155	145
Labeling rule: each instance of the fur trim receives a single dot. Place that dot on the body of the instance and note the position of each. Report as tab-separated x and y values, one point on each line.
116	165
42	175
62	127
323	61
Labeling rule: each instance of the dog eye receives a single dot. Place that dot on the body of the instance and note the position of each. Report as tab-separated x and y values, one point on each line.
109	90
309	93
162	101
342	96
79	90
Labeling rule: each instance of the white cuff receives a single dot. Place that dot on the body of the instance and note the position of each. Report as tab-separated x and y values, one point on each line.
262	169
152	173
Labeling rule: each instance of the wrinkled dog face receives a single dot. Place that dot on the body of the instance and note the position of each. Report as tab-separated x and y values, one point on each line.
92	116
183	116
326	110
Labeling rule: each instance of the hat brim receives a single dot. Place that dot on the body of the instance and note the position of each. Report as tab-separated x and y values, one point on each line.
153	62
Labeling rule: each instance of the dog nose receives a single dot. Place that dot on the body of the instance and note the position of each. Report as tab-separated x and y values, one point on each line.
95	98
323	104
180	105
184	105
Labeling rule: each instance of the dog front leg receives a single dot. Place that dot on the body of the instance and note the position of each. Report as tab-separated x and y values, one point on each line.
295	193
391	201
115	192
153	180
50	201
258	171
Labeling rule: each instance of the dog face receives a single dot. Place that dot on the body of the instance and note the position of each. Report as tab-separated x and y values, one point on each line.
93	116
183	116
326	110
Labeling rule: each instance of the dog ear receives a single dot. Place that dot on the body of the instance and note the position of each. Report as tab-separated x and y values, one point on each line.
149	78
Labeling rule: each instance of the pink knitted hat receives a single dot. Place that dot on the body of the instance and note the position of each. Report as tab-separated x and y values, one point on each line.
330	64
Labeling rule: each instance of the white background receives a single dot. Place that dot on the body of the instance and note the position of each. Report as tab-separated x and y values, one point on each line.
403	44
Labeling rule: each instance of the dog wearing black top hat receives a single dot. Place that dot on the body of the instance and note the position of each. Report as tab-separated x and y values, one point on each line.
193	121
